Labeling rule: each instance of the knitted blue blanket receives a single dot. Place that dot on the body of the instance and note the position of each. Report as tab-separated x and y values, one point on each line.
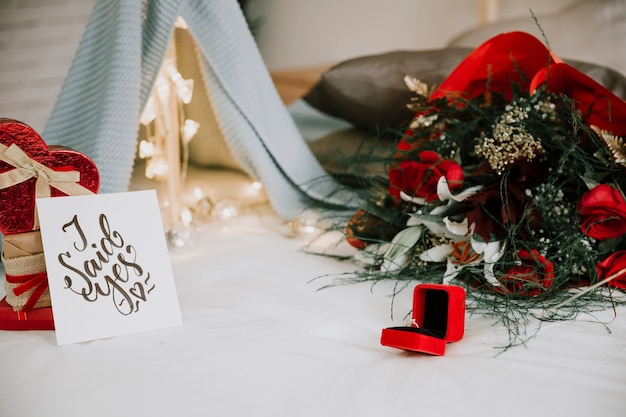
112	74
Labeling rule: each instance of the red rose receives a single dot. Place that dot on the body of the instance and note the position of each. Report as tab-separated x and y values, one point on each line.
420	178
603	212
615	264
533	276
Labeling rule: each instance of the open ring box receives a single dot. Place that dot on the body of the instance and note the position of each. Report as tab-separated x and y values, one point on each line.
438	318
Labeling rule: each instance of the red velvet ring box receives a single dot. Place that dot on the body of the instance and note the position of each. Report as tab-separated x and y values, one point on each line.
438	317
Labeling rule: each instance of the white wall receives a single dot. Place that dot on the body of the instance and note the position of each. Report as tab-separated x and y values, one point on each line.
511	9
38	38
300	33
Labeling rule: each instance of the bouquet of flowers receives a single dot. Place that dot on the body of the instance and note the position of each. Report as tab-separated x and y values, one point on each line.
510	181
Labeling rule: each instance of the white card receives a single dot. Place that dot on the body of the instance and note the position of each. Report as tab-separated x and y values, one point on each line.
108	266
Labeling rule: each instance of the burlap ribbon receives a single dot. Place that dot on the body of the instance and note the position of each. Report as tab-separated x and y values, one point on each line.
26	283
26	168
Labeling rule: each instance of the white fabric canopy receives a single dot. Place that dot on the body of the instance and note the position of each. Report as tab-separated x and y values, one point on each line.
112	74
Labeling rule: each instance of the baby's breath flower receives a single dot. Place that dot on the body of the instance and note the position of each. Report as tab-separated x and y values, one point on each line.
510	140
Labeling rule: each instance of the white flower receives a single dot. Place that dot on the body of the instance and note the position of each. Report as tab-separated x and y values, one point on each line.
463	253
420	201
433	220
456	228
491	253
444	193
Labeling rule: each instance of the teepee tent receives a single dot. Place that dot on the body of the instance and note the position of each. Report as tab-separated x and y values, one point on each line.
113	72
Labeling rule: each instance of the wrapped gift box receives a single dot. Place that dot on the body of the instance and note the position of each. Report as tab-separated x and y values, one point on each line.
26	285
29	169
36	319
438	318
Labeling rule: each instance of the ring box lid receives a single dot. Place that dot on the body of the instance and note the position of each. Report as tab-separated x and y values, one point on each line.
439	317
441	309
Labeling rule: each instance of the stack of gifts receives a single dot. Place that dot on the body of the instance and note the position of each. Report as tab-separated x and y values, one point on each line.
29	169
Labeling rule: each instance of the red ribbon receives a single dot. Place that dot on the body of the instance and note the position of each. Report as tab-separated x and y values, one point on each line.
506	59
520	58
598	106
38	282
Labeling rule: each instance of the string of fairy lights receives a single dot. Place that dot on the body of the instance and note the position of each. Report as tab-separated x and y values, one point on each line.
165	150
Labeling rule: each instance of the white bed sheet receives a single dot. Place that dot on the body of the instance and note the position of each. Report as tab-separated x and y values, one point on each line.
259	339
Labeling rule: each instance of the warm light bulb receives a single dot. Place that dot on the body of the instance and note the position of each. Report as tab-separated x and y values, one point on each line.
163	89
307	224
149	112
198	193
190	128
146	149
157	168
226	210
181	23
186	216
307	228
184	88
180	235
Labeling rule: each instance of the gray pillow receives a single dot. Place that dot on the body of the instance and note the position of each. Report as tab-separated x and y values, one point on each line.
370	93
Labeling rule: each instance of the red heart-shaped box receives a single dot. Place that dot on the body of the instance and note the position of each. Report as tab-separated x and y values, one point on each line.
39	168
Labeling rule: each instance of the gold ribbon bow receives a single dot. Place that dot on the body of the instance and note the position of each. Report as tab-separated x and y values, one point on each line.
26	168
